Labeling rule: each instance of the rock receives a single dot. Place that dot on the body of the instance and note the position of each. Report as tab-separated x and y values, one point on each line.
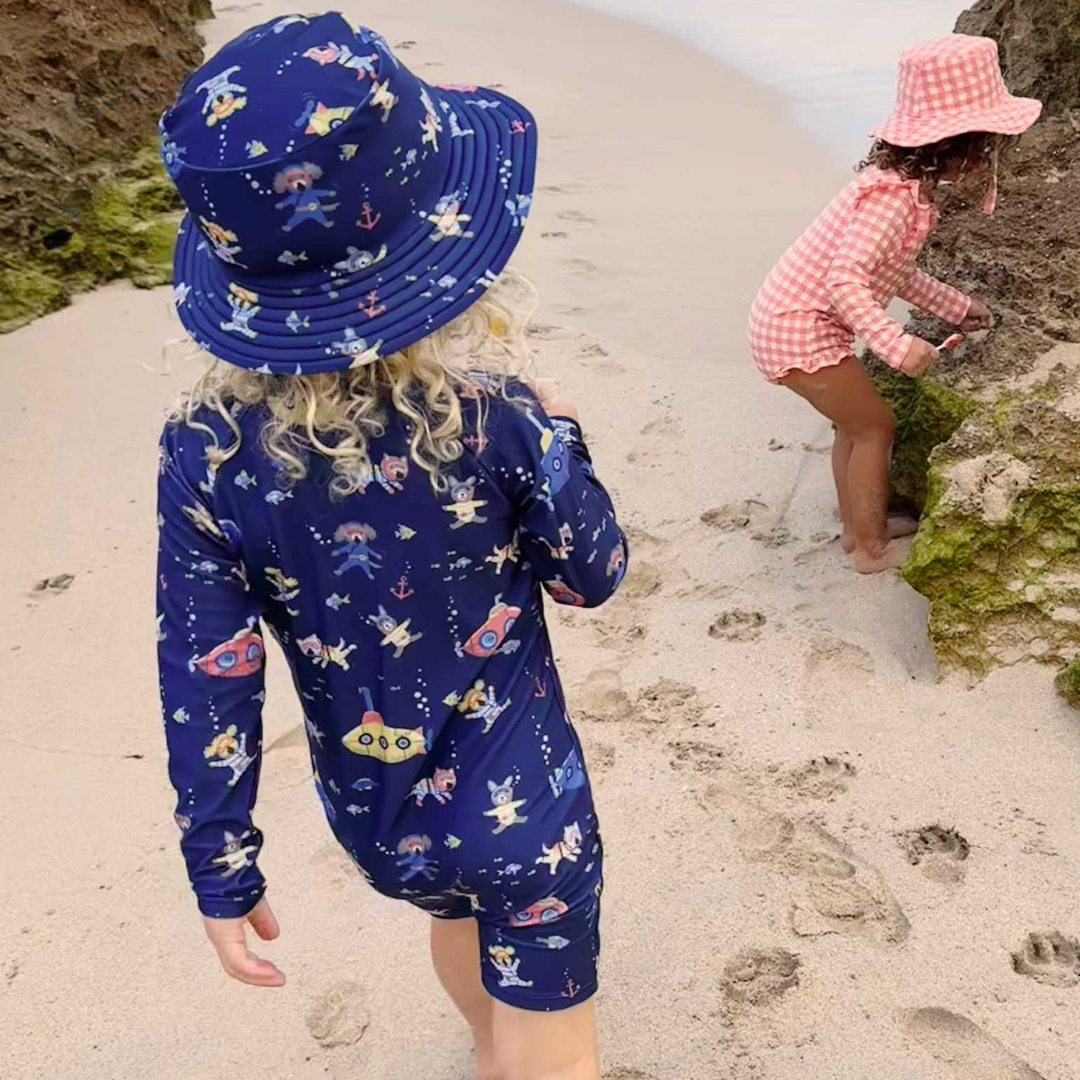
988	445
1068	684
85	197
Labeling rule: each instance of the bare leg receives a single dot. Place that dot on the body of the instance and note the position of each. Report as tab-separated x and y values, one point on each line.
845	395
841	461
455	951
547	1045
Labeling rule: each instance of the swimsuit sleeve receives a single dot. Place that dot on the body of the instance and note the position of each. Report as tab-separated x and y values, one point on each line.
874	237
210	663
928	294
566	520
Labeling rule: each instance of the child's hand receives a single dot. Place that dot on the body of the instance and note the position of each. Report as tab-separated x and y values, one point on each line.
920	355
979	317
547	393
230	941
559	406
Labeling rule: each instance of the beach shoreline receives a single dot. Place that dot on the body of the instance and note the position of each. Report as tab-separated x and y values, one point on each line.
809	837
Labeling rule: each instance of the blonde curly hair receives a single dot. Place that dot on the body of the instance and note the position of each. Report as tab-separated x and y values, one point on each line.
337	413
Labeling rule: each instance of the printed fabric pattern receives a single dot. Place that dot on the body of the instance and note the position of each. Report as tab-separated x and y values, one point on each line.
836	281
413	624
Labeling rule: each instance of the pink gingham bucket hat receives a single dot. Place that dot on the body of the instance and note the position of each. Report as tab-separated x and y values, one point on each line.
952	85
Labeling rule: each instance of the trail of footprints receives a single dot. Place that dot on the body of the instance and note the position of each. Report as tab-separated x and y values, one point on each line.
837	893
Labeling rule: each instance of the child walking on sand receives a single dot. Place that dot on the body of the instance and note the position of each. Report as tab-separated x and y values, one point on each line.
360	473
952	115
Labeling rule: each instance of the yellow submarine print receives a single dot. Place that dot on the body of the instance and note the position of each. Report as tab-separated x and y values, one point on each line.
372	738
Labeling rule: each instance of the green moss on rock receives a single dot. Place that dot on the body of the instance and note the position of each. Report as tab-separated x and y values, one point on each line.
998	548
125	226
1068	683
927	414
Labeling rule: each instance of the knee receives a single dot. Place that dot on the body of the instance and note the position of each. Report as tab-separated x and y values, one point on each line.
878	427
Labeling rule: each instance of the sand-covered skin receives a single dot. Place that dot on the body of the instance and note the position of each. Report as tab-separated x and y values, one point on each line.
762	788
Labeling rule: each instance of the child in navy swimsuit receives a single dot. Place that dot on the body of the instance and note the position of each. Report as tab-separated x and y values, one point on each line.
393	519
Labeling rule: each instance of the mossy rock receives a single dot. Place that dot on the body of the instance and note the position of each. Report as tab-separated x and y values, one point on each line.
1068	683
998	548
927	414
124	226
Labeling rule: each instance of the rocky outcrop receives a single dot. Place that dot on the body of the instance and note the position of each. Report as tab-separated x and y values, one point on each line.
82	196
988	445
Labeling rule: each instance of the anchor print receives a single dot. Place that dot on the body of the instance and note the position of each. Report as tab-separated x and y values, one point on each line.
477	443
373	306
367	220
518	128
402	590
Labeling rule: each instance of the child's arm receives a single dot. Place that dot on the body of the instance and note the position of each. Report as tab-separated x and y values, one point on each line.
210	718
935	297
567	522
873	237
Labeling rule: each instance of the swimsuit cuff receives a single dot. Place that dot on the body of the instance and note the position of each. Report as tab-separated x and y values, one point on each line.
542	1002
231	907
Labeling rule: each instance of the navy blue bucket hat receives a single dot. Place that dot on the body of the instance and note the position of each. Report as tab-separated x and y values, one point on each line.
339	208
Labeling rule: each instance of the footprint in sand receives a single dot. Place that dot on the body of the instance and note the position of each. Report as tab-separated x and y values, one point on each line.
700	756
663	425
578	267
668	701
738	625
576	216
1051	959
58	583
759	976
554	235
642	580
595	349
612	635
842	894
546	332
967	1050
940	853
600	756
405	45
571	188
733	516
627	1074
828	653
820	778
338	1017
603	698
776	537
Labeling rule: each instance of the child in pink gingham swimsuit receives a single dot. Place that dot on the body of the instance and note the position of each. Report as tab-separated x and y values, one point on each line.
952	114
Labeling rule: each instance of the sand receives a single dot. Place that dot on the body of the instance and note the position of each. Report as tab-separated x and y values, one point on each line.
821	858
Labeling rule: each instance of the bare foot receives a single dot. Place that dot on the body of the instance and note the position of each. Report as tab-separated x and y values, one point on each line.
895	527
889	558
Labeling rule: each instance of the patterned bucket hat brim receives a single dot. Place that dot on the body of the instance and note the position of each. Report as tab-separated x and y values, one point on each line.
950	86
339	207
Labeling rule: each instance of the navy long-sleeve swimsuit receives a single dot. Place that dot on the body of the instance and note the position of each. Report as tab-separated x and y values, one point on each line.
413	623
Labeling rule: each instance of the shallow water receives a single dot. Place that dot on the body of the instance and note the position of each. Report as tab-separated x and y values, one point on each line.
832	61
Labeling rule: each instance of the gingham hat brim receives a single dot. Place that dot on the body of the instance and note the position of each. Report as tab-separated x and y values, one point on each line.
420	285
1013	117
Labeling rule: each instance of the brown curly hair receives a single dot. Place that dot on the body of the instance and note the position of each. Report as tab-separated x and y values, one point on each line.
930	162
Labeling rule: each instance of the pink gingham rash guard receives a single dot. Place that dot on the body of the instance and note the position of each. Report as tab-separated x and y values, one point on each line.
837	279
